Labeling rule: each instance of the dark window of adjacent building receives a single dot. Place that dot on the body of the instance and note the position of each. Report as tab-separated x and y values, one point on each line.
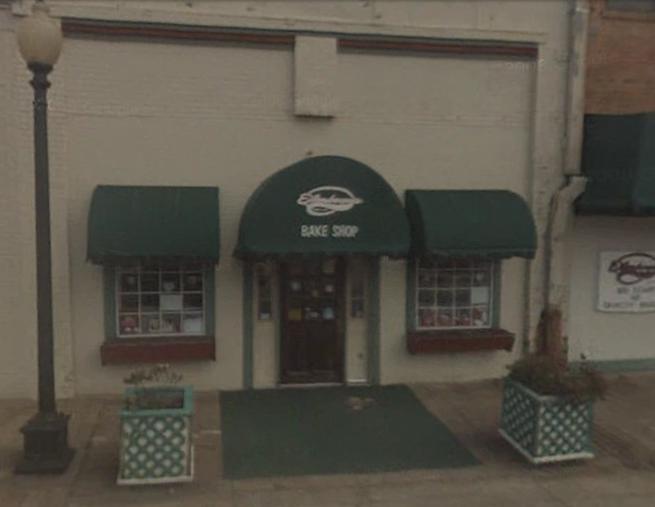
631	5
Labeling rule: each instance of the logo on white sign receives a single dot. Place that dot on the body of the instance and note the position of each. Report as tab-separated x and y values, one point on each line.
626	282
327	200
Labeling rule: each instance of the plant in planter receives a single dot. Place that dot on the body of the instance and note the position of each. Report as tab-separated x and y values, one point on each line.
156	444
547	411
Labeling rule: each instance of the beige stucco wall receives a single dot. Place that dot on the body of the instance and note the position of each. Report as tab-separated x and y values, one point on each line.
599	335
128	112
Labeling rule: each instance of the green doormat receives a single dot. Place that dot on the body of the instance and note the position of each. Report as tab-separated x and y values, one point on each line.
332	430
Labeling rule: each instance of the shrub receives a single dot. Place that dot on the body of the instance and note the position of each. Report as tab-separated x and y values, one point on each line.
545	376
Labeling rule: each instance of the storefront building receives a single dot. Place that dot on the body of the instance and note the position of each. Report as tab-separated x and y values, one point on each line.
278	193
612	311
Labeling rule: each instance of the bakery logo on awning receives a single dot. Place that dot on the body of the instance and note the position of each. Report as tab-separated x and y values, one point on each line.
324	201
627	282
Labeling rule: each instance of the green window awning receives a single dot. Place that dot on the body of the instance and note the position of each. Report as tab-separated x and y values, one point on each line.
618	158
326	205
129	222
485	223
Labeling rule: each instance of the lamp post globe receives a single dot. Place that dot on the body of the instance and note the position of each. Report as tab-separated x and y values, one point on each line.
39	37
45	435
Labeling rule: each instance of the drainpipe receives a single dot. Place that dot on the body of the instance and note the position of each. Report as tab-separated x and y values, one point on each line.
556	286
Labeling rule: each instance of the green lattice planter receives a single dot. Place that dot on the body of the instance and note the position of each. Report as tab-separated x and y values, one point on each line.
156	443
545	428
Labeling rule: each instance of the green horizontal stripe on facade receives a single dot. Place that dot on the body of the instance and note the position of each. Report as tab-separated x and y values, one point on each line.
620	365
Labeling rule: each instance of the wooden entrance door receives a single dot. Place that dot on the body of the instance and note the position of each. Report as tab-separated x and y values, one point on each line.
313	321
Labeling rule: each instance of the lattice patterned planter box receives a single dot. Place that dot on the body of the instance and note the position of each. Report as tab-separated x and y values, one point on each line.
545	428
156	443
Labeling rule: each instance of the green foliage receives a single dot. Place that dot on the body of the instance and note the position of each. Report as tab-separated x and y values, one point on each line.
144	397
546	376
160	374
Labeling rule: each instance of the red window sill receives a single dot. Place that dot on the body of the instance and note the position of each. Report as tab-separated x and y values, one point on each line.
151	350
458	340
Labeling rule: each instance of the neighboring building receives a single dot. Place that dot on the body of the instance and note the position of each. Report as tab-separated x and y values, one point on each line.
282	192
613	250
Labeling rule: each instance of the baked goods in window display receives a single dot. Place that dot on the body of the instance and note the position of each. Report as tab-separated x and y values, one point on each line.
129	324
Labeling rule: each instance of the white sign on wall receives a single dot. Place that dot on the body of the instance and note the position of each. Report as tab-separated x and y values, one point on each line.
626	282
324	201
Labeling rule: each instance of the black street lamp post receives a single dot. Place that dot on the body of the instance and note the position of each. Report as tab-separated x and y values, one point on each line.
45	435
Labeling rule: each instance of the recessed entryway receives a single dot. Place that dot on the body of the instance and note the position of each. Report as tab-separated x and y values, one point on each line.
312	320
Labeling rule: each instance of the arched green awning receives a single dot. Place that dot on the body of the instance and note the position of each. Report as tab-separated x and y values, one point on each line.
326	205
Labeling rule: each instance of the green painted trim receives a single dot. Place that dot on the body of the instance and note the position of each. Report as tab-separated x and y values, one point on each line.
185	409
210	301
248	325
373	324
410	299
276	310
496	302
620	365
109	289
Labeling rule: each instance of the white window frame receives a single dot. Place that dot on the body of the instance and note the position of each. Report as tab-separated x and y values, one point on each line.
493	266
118	271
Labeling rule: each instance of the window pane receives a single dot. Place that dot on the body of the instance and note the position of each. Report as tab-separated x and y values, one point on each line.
129	324
129	282
151	324
445	317
192	281
462	263
426	278
150	282
463	317
193	324
193	301
463	297
445	298
481	278
426	318
445	279
171	323
445	263
427	263
463	279
480	316
150	302
426	297
170	282
480	295
129	304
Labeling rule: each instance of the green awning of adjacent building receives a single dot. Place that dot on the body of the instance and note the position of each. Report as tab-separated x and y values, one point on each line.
325	205
132	222
484	223
618	158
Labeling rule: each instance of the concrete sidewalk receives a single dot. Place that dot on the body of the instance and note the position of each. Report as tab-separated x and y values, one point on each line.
622	474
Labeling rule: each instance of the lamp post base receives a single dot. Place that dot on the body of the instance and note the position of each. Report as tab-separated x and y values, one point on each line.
45	445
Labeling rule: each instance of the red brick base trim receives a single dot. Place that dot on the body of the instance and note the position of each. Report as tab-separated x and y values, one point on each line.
192	349
464	340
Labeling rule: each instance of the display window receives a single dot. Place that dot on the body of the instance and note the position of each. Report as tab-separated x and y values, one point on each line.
454	293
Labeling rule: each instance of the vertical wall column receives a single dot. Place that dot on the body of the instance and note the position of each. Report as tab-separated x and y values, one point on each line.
248	355
373	324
